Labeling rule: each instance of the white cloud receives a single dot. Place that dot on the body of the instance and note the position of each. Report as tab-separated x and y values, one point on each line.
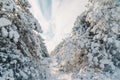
64	13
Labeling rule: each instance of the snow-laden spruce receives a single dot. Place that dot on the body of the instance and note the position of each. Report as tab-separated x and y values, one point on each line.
93	50
21	46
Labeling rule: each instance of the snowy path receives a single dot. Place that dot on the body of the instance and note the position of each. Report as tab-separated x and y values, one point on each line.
55	73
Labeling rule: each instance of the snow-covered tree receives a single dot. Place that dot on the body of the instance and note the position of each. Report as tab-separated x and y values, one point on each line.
21	46
94	46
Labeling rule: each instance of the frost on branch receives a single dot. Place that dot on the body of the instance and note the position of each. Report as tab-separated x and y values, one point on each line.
95	41
21	46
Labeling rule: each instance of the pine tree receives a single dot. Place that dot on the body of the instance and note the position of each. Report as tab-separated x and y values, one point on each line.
21	46
94	46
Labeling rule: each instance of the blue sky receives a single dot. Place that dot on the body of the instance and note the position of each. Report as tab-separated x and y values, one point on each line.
56	18
46	8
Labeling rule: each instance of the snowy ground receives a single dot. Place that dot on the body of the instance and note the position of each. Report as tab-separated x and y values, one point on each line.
55	73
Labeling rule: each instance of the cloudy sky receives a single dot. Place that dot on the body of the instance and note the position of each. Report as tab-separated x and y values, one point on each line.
56	18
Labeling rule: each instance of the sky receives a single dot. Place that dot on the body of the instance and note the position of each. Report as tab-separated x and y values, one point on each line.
56	18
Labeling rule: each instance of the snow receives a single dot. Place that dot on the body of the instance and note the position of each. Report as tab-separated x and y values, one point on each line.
97	44
20	61
9	5
7	76
4	22
90	57
82	56
4	32
116	29
24	75
14	35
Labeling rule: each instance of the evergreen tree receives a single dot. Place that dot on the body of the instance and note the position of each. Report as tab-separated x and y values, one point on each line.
94	46
21	46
